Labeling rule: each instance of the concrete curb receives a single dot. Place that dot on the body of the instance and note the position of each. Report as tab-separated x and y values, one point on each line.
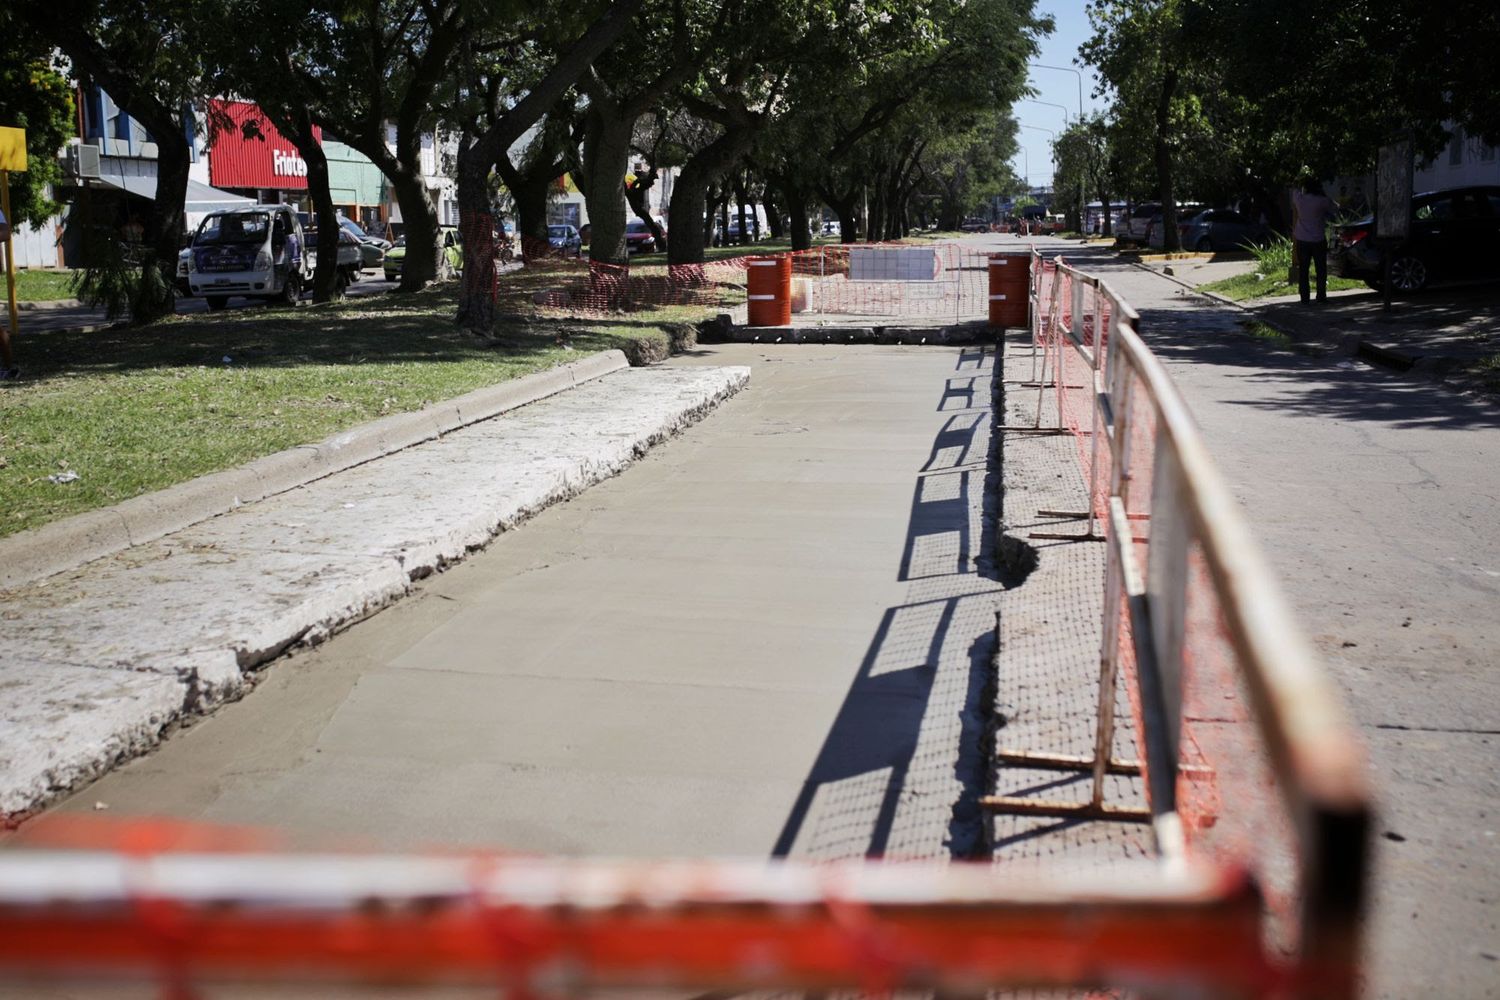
46	304
63	545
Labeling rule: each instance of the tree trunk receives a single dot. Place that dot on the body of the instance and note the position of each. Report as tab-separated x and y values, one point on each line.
796	205
157	292
843	207
606	154
740	198
155	295
691	211
326	286
1162	151
476	223
773	215
297	125
685	217
875	224
529	192
419	226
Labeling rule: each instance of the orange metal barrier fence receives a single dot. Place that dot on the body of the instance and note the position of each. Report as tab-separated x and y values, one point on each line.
1246	755
1255	783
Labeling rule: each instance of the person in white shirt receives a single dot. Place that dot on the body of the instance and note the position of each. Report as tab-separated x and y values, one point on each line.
1311	209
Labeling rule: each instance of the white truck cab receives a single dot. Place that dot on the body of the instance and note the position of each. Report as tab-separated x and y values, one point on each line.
259	252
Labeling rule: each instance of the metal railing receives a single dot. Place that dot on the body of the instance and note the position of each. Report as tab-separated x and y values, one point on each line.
1246	754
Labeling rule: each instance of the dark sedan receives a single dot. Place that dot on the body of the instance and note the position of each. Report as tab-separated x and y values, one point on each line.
1216	230
1454	235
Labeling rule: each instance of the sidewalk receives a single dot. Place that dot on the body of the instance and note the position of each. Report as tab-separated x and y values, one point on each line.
1449	333
769	638
97	662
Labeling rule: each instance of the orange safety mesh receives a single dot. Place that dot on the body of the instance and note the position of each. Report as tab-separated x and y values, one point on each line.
1226	796
581	286
1227	799
927	282
1071	370
479	244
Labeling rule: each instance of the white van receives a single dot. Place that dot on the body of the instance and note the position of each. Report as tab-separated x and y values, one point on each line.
258	252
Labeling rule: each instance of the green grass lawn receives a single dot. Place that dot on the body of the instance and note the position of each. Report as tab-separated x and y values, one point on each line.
1259	286
43	286
136	410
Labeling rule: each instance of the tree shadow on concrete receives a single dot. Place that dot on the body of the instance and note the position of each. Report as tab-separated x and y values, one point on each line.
877	787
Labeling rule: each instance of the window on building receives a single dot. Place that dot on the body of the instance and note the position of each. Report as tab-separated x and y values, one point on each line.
1456	148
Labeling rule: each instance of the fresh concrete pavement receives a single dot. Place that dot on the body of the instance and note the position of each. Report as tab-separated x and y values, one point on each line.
768	636
95	661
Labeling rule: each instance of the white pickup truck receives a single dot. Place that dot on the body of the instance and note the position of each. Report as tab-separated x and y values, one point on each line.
258	252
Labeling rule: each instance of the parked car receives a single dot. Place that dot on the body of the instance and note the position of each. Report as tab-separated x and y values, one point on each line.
1136	226
974	225
1219	229
733	236
452	250
1454	234
257	252
564	241
1156	235
358	232
350	258
639	238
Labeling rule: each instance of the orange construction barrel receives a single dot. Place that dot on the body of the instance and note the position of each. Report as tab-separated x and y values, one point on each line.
1010	284
771	290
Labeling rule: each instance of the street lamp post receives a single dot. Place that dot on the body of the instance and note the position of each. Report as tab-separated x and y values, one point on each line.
1067	69
1034	128
1083	201
1060	107
1082	197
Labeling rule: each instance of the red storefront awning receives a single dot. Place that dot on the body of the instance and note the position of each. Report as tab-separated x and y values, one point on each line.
246	150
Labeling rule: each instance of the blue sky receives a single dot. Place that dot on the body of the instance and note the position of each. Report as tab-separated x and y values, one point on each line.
1058	49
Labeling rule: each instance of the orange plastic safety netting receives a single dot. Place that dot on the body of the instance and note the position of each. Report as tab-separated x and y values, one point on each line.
931	282
1189	681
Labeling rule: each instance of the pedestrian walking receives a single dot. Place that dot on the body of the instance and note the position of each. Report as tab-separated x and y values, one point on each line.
1311	208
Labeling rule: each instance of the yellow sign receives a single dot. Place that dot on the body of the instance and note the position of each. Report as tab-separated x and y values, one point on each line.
12	149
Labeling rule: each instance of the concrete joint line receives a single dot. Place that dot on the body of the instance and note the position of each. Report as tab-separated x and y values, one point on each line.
69	543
